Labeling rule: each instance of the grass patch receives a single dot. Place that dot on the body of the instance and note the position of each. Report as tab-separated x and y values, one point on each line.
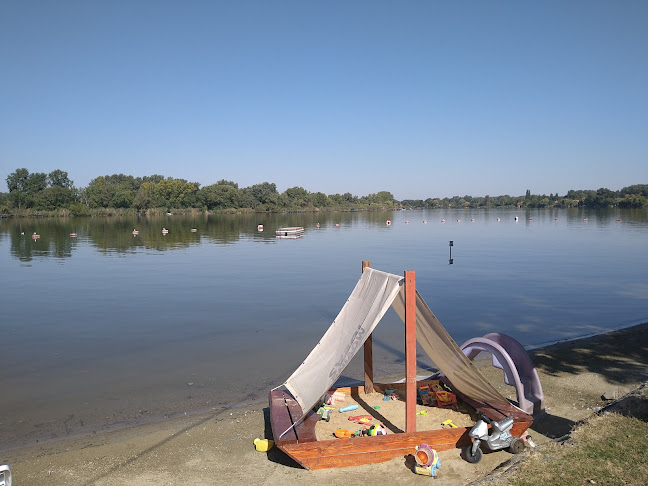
605	450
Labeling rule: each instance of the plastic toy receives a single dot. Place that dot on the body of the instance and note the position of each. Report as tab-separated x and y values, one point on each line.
427	461
263	445
390	394
361	419
376	429
349	408
324	413
5	475
449	423
443	398
500	437
342	433
331	398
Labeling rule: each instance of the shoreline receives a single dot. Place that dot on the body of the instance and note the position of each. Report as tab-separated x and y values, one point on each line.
217	447
158	419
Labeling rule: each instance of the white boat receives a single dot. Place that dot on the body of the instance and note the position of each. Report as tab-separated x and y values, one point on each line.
292	232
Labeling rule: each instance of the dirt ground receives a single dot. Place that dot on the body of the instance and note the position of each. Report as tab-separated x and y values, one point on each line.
218	448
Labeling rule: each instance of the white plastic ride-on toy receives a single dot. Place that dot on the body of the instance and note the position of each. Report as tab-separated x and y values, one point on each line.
500	437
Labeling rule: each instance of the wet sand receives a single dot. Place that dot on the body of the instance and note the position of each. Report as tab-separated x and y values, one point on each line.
217	448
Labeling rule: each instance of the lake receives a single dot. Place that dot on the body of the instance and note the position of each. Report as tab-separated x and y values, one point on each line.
108	329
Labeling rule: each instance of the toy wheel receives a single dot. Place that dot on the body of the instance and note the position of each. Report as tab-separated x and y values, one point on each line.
438	464
473	458
517	446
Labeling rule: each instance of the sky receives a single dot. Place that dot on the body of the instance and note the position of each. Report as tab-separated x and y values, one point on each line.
419	98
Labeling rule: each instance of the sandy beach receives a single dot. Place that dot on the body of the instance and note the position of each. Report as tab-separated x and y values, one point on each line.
217	448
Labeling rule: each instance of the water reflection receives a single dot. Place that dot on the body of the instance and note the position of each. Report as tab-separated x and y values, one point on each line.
115	234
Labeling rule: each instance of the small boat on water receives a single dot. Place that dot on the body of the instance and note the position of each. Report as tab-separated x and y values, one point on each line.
135	232
73	235
164	231
290	232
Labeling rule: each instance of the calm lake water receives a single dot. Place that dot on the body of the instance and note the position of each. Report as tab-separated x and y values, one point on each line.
109	328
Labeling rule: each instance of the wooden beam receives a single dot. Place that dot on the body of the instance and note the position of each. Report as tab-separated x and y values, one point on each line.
368	351
410	351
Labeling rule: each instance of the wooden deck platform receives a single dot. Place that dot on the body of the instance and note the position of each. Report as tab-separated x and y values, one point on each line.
301	443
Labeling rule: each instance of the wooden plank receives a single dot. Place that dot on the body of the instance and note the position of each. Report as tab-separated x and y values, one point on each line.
368	352
368	365
410	351
280	418
508	410
371	450
305	430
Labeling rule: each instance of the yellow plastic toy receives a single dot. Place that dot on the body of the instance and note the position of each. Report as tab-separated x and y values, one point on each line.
263	445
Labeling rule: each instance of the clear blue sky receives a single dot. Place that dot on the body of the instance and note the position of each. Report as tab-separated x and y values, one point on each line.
420	98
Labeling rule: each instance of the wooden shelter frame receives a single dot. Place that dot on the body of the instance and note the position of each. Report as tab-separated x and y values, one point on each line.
302	445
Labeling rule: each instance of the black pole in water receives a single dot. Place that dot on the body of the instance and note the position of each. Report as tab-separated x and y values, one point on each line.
450	262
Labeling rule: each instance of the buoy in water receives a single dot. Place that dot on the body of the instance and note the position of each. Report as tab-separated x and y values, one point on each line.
388	223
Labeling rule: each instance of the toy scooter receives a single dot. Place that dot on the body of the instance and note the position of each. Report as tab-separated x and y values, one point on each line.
499	438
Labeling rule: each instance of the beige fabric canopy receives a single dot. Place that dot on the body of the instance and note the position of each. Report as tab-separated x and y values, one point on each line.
370	299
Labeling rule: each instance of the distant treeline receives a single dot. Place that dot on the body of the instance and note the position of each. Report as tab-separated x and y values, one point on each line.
33	193
634	196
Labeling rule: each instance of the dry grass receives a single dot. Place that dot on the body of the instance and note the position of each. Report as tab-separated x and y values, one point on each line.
606	450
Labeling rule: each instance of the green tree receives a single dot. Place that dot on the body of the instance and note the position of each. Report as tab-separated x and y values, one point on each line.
220	196
17	184
59	178
320	199
261	194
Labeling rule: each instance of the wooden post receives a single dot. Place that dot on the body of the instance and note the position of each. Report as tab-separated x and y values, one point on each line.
368	351
410	351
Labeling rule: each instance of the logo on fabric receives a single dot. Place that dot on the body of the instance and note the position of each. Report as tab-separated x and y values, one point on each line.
344	358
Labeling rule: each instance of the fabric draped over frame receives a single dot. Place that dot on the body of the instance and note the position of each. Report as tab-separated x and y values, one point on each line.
372	296
448	356
370	299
